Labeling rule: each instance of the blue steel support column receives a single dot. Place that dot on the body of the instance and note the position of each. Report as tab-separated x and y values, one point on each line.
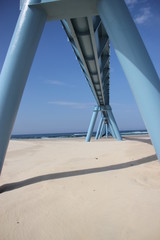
111	130
16	69
102	129
113	123
136	63
106	130
99	128
92	124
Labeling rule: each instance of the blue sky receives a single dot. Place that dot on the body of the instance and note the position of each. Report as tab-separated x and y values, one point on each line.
57	97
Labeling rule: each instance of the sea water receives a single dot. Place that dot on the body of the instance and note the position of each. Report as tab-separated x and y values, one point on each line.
70	135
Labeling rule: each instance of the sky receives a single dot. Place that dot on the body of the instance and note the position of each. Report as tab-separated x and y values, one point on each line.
57	97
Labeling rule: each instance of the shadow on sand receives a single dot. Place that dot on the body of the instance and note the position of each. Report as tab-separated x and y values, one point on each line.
138	139
15	185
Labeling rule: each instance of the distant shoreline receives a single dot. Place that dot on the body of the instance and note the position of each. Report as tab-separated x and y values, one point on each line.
71	135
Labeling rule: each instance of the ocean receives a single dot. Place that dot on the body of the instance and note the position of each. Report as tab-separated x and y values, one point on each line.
70	135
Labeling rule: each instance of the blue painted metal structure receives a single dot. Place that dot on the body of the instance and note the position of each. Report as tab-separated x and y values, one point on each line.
90	43
99	128
136	63
92	124
89	24
106	130
16	69
103	129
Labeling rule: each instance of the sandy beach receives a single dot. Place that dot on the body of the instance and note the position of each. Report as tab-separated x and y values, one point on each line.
67	189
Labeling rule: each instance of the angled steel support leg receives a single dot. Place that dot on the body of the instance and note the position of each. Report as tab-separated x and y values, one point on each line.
16	69
106	130
102	131
136	63
99	128
92	124
111	129
113	123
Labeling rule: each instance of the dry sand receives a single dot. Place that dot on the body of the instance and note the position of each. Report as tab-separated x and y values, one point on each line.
67	189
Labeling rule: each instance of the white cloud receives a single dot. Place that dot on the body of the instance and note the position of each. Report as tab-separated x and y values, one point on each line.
143	16
59	83
131	2
75	105
111	69
54	82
